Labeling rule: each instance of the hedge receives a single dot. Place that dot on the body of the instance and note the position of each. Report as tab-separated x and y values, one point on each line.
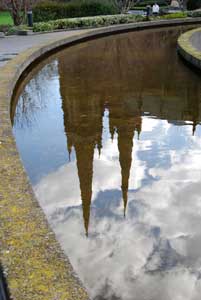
86	22
194	14
193	4
52	10
152	2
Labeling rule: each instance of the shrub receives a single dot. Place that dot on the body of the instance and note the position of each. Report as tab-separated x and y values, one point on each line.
7	29
12	30
152	2
193	4
195	13
86	22
49	10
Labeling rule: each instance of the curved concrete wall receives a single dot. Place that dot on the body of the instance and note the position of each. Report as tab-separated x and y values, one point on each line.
34	264
189	46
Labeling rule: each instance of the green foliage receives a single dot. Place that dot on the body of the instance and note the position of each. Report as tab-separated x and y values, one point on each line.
144	7
175	15
5	28
151	2
11	29
52	10
86	22
195	13
193	4
5	18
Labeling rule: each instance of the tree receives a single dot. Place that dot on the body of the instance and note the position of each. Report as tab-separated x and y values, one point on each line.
17	8
193	4
125	5
182	3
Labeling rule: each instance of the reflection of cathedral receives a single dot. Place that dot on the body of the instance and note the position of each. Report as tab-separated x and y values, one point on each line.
83	120
114	73
124	122
83	126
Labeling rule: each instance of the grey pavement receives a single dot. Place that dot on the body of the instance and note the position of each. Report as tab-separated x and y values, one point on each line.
10	46
195	40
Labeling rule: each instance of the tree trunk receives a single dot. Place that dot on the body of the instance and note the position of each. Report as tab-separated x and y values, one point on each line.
184	4
18	9
126	5
15	12
17	18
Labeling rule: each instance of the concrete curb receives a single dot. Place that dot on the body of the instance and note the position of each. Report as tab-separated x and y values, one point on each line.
187	50
33	263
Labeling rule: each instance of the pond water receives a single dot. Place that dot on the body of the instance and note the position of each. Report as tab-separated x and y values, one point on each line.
109	133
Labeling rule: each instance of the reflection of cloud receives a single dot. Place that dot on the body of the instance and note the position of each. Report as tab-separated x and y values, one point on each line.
149	124
63	185
175	199
155	252
59	189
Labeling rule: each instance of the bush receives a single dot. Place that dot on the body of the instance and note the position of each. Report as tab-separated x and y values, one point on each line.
86	22
11	29
193	4
49	10
152	2
195	13
7	29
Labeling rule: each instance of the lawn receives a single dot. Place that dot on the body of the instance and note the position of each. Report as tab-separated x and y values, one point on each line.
5	18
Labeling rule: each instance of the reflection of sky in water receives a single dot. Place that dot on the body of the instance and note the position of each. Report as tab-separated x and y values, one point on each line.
41	102
153	252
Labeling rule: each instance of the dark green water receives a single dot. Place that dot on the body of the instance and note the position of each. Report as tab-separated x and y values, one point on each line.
109	132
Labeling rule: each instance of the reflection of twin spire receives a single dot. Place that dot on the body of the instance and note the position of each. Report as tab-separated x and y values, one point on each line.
124	123
83	126
115	68
83	120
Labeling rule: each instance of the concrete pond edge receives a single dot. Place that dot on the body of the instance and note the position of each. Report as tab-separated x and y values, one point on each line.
187	49
33	263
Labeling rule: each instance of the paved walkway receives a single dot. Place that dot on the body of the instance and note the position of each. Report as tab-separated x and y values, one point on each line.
10	46
189	46
195	40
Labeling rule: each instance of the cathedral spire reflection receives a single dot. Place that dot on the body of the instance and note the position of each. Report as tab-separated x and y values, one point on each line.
84	154
125	145
194	127
125	121
123	79
83	126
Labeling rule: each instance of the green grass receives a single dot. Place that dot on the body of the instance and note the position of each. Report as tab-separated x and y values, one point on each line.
175	15
5	18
